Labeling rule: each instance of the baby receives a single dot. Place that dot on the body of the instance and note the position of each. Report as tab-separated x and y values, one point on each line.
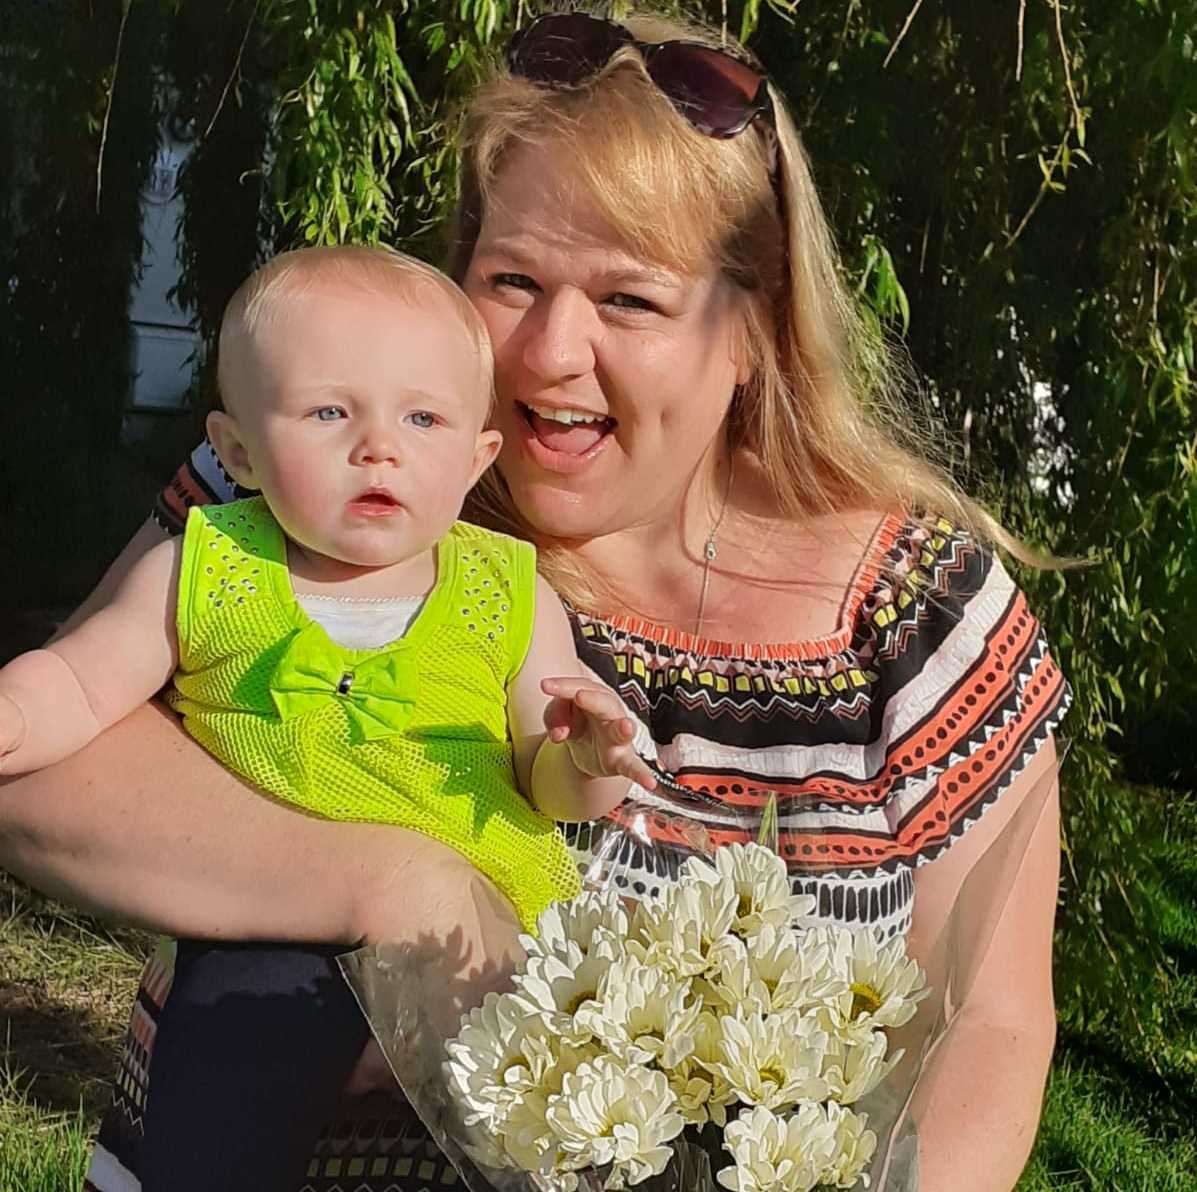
342	640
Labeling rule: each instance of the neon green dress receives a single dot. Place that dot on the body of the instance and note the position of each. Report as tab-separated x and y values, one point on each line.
413	733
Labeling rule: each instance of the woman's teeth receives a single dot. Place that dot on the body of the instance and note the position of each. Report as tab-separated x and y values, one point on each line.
569	417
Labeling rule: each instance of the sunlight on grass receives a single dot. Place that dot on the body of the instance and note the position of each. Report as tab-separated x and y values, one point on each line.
39	1151
1092	1137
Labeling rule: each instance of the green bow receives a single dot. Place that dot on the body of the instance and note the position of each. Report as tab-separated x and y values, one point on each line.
378	693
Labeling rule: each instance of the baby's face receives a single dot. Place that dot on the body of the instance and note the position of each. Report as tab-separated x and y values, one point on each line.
362	417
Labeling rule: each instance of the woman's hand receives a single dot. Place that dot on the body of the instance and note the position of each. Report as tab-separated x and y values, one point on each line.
592	722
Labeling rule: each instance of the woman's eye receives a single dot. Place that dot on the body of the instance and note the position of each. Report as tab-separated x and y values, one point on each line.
422	419
330	413
514	281
630	302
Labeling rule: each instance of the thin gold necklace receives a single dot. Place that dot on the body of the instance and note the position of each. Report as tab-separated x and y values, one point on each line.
710	552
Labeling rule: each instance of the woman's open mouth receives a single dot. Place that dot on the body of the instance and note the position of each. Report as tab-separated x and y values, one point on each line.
561	439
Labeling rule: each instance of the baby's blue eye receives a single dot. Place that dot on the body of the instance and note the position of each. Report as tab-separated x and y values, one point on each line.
423	419
330	413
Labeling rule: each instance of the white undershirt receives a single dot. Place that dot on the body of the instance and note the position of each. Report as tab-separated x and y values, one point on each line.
362	624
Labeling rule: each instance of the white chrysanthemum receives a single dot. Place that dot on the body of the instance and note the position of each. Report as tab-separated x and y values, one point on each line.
494	1059
563	983
609	1113
774	971
526	1136
779	1154
854	1147
884	986
526	1139
677	931
702	1095
644	1014
729	983
775	1061
577	922
517	1130
854	1068
761	884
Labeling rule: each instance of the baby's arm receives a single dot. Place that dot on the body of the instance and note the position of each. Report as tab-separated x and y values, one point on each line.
571	735
54	701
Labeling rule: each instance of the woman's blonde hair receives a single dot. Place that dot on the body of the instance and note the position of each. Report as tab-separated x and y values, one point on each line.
826	411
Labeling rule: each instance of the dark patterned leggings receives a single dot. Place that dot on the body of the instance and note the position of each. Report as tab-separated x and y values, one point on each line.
254	1045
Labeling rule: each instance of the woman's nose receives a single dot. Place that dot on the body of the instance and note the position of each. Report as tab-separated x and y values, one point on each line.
560	337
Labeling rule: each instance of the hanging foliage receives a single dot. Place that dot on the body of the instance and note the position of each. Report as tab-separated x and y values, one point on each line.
79	120
1015	184
361	151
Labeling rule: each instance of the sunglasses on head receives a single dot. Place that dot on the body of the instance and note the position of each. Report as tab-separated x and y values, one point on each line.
715	90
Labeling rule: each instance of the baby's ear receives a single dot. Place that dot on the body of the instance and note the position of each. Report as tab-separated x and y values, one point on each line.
485	451
226	438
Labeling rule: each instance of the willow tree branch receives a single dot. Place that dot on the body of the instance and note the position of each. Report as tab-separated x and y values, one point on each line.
1044	187
116	62
914	12
1022	26
1076	107
235	71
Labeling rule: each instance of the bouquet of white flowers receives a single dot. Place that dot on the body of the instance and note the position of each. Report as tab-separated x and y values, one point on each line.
718	1035
708	1022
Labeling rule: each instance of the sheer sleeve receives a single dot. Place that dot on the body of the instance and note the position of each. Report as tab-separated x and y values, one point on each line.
200	481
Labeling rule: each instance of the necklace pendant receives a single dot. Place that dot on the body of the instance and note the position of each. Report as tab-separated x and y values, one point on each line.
710	552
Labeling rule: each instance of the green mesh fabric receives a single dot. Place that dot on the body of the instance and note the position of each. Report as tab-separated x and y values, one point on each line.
447	772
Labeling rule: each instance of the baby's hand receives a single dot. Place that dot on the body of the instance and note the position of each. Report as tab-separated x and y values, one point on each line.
12	728
592	722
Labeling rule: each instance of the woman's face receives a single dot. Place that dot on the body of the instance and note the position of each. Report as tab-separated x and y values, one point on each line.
613	374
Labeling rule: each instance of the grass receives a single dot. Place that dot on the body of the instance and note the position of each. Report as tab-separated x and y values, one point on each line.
1094	1135
66	986
1121	1114
39	1151
1117	1119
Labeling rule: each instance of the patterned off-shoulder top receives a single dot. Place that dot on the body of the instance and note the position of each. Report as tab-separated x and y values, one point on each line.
882	742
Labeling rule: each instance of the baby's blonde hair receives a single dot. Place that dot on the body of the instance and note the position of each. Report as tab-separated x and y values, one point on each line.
263	296
826	410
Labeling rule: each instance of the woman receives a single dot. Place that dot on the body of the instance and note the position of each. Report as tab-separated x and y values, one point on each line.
682	389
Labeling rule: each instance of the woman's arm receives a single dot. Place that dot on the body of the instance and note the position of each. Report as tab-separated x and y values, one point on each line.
978	1101
143	825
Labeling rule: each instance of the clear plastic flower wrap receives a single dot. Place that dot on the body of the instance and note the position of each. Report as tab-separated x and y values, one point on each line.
716	1035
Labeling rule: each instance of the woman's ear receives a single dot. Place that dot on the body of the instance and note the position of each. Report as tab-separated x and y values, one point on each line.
230	446
485	450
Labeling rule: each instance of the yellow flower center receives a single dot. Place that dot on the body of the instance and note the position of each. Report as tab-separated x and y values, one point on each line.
773	1074
865	1000
586	995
